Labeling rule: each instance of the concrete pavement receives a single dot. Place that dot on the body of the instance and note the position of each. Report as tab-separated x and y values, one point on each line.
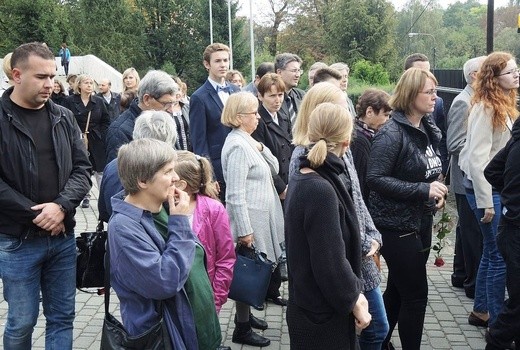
445	327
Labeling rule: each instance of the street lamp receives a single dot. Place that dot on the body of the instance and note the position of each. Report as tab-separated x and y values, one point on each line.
411	35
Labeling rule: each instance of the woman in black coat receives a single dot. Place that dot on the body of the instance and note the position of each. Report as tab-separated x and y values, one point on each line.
403	171
326	303
81	104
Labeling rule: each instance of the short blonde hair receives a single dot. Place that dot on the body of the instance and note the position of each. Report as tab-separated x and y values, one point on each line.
319	93
240	102
79	80
329	125
408	87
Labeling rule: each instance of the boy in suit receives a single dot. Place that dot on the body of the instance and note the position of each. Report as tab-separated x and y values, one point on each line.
206	131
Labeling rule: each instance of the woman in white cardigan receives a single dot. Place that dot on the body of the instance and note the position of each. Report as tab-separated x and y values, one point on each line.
252	202
489	128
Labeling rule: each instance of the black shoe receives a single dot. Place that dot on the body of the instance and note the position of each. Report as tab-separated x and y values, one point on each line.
491	343
223	347
85	203
243	334
278	301
476	321
457	282
470	293
257	323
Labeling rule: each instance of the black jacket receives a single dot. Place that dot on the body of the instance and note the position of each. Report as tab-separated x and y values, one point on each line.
97	127
399	191
121	129
113	107
503	173
276	137
19	168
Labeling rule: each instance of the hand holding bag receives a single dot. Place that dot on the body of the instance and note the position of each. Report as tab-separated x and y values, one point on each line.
115	337
251	276
90	249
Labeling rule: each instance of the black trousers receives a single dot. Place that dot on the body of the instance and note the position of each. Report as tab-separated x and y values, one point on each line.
406	294
507	326
468	246
273	291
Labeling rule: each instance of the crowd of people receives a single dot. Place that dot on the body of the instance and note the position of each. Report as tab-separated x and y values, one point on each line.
320	187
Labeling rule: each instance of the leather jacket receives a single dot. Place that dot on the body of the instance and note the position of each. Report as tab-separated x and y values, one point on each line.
19	168
399	189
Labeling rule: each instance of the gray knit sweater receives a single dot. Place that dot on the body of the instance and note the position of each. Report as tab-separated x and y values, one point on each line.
367	229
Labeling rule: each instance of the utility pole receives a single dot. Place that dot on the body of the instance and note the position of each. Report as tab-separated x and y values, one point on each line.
490	26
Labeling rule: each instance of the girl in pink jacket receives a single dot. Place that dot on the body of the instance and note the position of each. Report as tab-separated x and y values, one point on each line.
209	221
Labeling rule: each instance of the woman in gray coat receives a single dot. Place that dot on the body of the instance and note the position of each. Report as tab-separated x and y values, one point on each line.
252	202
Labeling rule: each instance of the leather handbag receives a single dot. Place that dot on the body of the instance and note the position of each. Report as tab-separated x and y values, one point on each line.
115	337
251	276
90	249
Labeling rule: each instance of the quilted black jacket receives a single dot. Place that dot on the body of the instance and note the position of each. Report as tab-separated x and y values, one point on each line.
399	190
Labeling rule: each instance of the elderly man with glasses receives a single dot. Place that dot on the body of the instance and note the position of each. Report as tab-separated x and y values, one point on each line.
158	92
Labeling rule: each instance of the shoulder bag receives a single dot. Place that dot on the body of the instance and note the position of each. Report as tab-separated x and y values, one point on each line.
115	337
84	135
90	250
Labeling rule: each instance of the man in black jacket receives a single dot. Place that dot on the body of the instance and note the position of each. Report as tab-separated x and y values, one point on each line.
288	66
44	174
112	99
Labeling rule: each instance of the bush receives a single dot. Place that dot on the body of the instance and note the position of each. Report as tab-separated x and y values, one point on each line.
373	74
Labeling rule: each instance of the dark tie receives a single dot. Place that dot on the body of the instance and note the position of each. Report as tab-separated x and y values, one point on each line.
227	89
290	108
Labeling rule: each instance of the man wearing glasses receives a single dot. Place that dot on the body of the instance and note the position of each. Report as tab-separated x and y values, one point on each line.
158	92
288	66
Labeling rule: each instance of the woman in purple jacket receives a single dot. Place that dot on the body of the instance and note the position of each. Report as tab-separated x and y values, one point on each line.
209	220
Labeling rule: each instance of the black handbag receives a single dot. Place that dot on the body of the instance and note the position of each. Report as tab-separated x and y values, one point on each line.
115	337
90	249
251	276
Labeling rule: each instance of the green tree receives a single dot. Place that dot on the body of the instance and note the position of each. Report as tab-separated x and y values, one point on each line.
115	34
362	30
24	21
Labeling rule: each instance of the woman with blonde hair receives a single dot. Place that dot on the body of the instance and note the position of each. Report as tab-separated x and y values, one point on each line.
489	123
375	333
209	220
254	209
93	119
235	77
131	82
325	305
402	174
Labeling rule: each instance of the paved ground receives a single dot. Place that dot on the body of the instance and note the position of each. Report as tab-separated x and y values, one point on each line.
445	327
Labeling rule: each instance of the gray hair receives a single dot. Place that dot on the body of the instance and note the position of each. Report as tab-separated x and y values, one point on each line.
158	125
472	65
283	59
157	83
339	66
139	161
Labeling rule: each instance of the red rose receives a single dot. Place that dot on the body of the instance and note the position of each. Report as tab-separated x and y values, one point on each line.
439	262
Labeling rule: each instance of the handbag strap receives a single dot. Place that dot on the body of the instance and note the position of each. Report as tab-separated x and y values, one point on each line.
88	122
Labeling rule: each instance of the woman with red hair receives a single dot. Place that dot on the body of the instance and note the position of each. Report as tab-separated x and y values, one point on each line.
490	120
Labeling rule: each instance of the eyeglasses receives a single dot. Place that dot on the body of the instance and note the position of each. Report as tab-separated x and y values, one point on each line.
248	113
167	105
512	72
429	92
294	71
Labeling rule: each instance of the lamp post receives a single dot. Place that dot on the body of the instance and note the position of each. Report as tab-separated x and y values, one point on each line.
411	35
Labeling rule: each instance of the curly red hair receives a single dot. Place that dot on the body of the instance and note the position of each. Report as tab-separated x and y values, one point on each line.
489	92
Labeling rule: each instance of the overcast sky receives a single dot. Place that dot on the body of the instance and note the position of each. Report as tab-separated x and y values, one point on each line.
260	6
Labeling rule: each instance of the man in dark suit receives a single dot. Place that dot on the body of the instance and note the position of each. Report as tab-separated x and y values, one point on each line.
111	99
207	133
288	66
468	238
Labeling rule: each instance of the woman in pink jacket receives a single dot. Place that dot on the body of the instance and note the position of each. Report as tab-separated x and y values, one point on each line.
209	220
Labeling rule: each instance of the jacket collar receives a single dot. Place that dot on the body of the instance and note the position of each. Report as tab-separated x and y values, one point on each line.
7	105
431	129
